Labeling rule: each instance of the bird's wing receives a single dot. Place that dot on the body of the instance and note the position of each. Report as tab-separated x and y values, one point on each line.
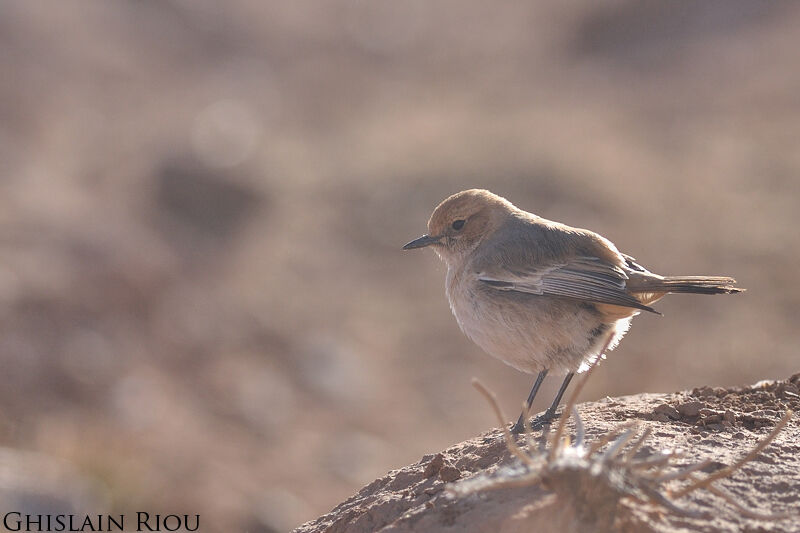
584	278
632	265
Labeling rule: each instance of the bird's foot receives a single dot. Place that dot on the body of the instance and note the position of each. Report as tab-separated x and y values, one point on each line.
537	423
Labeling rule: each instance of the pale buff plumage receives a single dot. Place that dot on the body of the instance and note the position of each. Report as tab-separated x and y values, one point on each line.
537	294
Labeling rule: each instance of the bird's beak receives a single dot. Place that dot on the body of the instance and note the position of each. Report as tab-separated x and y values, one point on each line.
422	242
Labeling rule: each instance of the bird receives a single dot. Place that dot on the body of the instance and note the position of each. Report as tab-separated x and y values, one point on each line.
539	295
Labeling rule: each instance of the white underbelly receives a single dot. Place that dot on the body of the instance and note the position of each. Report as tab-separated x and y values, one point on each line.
532	334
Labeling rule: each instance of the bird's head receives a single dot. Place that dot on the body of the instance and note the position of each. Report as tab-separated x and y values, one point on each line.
461	222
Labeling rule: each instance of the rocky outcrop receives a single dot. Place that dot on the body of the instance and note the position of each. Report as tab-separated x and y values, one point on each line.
465	488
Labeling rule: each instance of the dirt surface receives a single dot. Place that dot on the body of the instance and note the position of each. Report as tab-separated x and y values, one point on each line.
715	424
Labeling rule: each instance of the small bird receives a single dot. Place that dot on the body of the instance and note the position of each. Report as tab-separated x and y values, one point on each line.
539	295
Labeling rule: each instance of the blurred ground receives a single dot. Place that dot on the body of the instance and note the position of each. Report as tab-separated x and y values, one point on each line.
203	302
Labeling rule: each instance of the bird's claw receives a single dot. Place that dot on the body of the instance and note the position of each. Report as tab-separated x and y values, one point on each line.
537	423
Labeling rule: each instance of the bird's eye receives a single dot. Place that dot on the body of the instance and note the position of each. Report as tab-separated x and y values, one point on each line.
458	224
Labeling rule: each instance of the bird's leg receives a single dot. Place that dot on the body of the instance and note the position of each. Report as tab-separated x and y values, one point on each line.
519	427
550	414
551	411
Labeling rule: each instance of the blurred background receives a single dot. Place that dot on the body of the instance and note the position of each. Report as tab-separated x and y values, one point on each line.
204	307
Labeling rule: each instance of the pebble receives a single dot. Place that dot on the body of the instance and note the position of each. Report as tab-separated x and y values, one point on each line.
690	408
721	392
667	410
449	473
435	466
702	392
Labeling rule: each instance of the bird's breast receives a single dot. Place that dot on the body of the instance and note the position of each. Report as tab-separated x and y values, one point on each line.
526	331
465	302
485	317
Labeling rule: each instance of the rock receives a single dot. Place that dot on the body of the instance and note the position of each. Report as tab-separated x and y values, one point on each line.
449	473
711	419
701	392
418	497
434	466
691	408
667	410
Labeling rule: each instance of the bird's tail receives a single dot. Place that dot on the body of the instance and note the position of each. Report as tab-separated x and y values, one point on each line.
689	284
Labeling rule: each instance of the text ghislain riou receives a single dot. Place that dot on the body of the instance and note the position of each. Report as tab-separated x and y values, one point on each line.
16	521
